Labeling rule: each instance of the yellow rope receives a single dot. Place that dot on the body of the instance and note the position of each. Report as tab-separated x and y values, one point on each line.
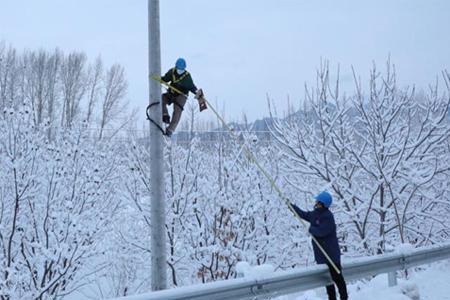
252	157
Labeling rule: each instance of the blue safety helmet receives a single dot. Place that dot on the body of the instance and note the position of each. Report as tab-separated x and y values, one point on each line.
324	198
180	64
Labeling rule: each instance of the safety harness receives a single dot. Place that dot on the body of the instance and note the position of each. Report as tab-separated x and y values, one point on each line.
174	79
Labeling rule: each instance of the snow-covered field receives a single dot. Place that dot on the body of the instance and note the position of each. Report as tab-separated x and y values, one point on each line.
432	283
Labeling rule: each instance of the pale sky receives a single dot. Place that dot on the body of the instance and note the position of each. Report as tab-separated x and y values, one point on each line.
238	51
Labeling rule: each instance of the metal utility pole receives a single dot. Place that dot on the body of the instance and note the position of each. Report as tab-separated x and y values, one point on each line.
157	215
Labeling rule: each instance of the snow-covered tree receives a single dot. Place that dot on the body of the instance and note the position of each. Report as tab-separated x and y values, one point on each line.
63	89
379	153
58	201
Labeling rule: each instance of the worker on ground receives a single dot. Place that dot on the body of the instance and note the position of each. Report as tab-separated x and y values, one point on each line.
323	229
181	81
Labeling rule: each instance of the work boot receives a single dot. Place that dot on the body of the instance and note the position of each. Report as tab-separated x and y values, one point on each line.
169	132
166	119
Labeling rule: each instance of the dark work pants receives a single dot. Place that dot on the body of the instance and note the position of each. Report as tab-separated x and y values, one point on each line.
340	283
178	103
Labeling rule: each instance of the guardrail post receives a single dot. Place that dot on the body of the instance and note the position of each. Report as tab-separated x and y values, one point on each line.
392	279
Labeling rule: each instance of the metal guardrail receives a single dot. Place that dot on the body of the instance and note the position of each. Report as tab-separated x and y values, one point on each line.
286	282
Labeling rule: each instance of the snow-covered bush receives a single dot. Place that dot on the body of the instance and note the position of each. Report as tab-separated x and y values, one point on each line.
57	202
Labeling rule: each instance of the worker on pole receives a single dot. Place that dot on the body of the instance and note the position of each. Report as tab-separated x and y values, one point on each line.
180	84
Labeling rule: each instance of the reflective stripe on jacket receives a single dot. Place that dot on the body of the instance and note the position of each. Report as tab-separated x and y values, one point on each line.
183	82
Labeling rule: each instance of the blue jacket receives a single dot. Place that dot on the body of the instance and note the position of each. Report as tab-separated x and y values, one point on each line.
323	228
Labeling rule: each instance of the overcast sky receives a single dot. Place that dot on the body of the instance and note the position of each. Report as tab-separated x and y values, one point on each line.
238	51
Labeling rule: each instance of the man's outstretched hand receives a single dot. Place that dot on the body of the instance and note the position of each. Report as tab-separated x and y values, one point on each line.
199	94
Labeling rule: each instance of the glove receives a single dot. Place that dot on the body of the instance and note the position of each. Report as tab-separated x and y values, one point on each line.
199	94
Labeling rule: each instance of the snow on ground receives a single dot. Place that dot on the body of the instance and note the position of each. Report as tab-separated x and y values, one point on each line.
244	269
430	283
433	283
